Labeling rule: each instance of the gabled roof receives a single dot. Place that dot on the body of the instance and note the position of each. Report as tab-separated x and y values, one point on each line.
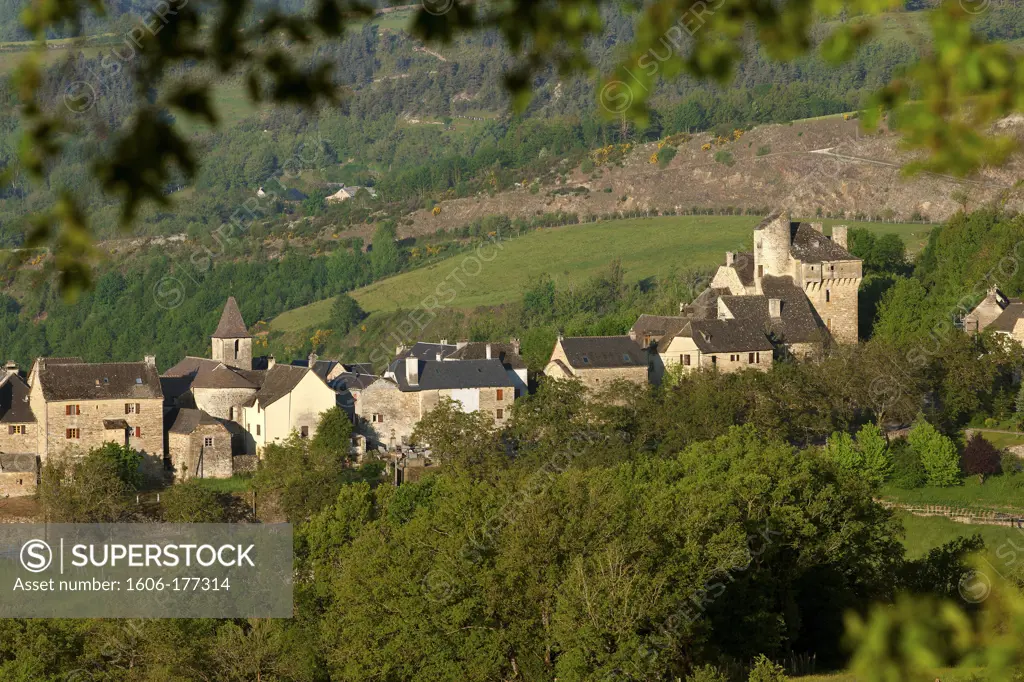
231	325
188	420
477	350
347	381
17	463
799	323
278	382
14	405
743	264
705	306
657	327
810	246
427	351
594	352
435	375
1006	320
727	336
98	381
222	376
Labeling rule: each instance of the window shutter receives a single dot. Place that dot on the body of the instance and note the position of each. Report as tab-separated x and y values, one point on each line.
10	430
138	432
138	408
126	407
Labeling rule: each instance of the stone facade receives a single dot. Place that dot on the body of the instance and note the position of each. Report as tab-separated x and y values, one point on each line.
19	438
79	425
223	403
204	453
598	361
17	484
233	352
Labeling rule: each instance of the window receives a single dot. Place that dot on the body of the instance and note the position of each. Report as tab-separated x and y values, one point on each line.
828	323
500	413
71	410
828	295
138	432
304	432
760	271
377	418
16	430
750	358
685	359
208	442
586	360
714	359
257	429
132	408
236	349
72	434
501	394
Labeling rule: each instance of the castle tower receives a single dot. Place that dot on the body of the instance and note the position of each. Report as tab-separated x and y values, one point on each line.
232	343
771	247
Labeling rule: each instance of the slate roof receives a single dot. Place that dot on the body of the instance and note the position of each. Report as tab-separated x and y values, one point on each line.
427	351
231	325
1007	319
657	327
347	381
278	382
743	263
14	405
98	381
591	352
477	350
799	323
436	375
222	376
187	420
810	246
705	306
115	424
727	336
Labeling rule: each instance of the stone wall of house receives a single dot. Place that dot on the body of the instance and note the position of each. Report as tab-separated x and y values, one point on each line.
982	316
599	378
17	483
401	412
92	434
218	402
804	351
244	464
19	442
736	362
192	458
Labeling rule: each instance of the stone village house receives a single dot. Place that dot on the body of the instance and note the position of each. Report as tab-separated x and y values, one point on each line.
415	382
998	314
18	436
597	361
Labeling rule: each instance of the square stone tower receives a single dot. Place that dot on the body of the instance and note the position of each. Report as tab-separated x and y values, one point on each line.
232	343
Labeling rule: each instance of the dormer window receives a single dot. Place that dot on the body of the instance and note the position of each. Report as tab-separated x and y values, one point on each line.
626	359
586	360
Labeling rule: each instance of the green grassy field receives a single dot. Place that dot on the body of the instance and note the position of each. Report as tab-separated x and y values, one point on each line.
648	247
944	674
924	533
1003	440
997	492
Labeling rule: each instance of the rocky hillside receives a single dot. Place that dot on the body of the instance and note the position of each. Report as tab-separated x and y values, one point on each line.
826	167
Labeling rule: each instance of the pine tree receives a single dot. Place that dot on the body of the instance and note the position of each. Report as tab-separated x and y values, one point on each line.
840	449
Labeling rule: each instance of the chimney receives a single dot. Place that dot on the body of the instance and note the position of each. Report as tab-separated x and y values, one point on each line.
730	259
775	308
839	235
412	370
819	227
11	367
439	356
312	359
487	351
271	361
444	342
151	360
401	348
514	342
459	345
682	307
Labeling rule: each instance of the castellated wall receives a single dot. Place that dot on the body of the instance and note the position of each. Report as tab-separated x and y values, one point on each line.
835	301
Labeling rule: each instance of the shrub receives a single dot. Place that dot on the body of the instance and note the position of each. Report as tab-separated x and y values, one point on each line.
665	156
724	157
980	458
937	452
766	671
587	166
191	502
1010	464
706	673
907	471
764	151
